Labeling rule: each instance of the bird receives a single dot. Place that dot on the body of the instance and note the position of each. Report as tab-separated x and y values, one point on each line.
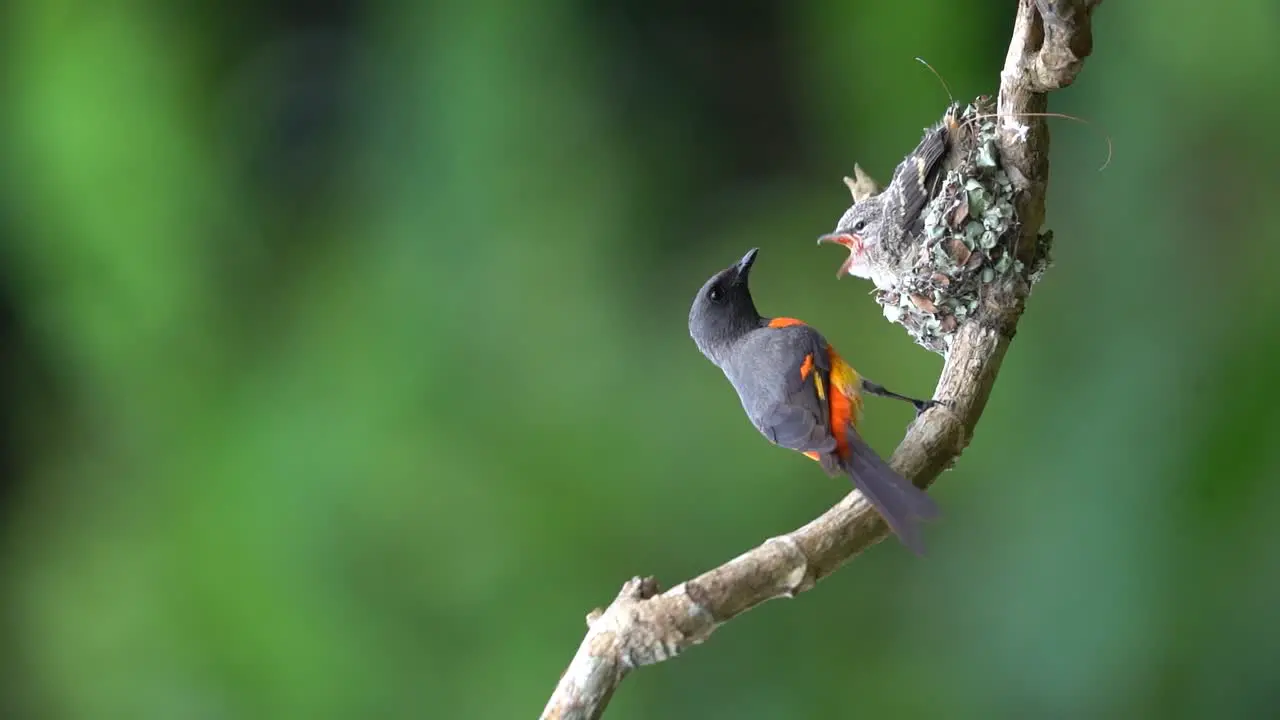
877	228
801	394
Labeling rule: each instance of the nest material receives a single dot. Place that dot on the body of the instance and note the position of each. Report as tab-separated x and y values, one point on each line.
964	247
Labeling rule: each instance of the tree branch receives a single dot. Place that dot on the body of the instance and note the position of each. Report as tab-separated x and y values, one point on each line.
1051	38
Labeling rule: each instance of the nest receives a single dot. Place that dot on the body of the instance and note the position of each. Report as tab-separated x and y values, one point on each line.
964	247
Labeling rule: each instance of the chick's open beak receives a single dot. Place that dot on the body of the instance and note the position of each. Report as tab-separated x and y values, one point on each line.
849	240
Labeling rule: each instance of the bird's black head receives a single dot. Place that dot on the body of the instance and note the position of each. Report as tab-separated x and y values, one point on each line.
723	310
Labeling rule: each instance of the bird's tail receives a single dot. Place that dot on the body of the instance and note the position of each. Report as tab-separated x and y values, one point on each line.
902	504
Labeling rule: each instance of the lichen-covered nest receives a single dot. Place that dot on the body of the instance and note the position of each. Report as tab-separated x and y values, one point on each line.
964	247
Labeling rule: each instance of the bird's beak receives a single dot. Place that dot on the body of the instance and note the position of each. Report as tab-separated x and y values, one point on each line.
744	265
848	240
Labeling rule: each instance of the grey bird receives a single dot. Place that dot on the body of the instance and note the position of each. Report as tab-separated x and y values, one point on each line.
877	228
800	394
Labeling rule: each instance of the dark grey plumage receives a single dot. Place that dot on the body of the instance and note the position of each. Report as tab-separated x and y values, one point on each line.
782	372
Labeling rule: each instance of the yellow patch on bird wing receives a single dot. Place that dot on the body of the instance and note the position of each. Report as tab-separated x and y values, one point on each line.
806	369
846	381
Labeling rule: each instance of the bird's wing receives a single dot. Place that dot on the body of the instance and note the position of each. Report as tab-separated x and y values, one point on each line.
800	420
916	175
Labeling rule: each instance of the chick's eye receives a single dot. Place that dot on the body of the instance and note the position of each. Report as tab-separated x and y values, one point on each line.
858	226
715	293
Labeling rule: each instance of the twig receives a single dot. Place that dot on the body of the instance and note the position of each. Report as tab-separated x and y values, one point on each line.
1051	38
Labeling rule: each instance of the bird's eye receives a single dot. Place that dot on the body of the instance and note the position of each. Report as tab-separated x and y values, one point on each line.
715	293
858	226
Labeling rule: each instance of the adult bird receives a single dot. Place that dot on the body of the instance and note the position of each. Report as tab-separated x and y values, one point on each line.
801	394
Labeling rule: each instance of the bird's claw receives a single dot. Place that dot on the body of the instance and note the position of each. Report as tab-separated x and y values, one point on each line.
924	405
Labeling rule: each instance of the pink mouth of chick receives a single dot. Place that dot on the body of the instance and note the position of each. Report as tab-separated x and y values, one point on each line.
857	250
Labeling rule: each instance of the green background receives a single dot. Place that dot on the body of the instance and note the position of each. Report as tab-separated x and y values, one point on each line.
346	363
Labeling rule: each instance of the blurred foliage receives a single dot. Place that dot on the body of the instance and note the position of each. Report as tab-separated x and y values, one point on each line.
346	367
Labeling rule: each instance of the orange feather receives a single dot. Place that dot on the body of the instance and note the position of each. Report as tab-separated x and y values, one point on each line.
781	322
845	400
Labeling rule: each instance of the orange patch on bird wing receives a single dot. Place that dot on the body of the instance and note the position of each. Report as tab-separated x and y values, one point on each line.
846	400
841	417
811	455
781	322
